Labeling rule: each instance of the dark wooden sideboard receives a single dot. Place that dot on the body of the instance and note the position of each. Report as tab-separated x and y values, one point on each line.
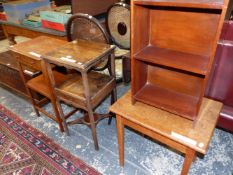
220	86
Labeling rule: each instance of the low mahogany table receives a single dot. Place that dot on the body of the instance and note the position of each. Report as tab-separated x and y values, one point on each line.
177	132
12	29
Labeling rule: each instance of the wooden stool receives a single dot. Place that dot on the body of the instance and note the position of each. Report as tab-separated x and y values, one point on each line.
28	54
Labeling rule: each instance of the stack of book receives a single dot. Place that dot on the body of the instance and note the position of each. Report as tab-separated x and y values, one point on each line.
56	18
17	11
32	20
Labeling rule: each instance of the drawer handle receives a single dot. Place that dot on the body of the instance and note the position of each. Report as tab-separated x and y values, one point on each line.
28	72
35	54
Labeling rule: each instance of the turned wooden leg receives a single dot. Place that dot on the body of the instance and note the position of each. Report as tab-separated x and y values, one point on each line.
189	157
120	132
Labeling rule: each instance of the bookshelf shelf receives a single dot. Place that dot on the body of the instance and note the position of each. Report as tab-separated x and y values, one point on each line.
176	59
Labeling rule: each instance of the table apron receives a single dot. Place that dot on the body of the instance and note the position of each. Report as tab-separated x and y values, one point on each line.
169	142
17	31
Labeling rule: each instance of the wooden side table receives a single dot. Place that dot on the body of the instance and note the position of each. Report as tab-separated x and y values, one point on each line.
167	128
86	88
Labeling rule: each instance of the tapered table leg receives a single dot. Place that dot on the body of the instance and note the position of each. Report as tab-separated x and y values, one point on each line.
120	132
189	157
11	40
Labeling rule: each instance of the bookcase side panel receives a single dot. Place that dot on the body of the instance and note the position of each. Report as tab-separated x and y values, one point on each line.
139	40
140	28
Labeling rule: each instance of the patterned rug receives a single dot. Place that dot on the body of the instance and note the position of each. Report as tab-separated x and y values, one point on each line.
26	151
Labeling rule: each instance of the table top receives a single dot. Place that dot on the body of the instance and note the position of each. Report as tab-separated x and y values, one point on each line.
36	47
79	54
37	29
170	125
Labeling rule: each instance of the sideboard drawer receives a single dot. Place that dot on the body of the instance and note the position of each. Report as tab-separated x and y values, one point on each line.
32	63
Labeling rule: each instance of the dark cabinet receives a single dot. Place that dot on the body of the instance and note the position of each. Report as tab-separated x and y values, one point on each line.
2	36
220	86
91	7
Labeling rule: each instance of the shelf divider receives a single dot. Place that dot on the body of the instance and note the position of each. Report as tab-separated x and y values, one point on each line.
174	59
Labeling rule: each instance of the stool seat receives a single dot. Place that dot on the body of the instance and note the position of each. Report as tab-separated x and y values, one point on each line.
38	83
99	84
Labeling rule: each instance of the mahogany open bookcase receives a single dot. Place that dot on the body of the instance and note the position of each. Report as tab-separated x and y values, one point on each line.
173	44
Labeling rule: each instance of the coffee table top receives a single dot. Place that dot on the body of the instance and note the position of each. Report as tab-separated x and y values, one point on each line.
79	54
170	125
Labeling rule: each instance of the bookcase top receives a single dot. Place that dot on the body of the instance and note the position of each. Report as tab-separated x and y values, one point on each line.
215	4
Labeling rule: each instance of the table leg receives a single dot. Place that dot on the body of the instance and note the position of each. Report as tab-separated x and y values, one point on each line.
189	157
90	109
120	132
11	39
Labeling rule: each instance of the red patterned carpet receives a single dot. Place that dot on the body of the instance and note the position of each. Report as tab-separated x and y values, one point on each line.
26	151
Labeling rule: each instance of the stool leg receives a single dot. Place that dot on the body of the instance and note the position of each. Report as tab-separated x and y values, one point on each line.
33	101
93	128
89	109
27	88
48	74
57	114
61	114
